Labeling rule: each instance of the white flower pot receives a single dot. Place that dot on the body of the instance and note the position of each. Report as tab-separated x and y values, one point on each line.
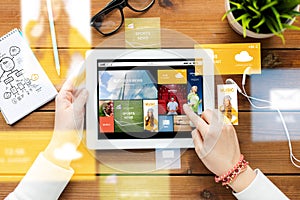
237	27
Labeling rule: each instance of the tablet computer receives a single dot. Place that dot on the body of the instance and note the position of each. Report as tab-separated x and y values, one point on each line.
136	96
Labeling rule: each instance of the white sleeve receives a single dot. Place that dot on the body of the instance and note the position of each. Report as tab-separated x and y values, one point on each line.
44	180
260	188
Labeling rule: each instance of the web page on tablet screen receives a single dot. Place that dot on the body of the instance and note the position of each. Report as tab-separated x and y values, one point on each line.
144	99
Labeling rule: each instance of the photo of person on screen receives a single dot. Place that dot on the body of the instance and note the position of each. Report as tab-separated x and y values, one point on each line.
172	107
228	110
193	99
151	124
106	109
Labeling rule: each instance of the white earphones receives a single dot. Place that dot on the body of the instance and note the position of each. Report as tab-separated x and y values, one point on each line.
230	81
244	93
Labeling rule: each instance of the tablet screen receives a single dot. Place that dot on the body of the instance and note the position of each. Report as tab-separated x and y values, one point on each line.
139	99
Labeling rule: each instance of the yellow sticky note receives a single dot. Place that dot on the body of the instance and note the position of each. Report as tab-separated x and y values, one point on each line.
142	32
235	58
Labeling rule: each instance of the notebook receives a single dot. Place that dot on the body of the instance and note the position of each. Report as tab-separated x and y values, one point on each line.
24	86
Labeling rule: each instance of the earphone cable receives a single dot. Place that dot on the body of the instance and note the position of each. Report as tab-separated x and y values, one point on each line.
250	98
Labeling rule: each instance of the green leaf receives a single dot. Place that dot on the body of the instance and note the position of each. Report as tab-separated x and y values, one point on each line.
292	27
257	30
261	22
273	30
286	16
270	26
254	10
244	27
229	11
274	23
248	20
261	15
254	3
238	5
242	17
294	13
268	5
277	16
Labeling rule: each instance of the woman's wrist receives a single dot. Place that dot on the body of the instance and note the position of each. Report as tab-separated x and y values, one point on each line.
239	177
50	155
62	148
243	180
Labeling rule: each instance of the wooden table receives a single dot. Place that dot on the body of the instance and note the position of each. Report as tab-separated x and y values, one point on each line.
260	133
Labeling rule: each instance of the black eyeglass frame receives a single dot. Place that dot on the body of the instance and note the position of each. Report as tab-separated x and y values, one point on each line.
116	4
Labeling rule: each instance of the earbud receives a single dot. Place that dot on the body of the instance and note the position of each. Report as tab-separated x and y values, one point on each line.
230	81
293	159
246	72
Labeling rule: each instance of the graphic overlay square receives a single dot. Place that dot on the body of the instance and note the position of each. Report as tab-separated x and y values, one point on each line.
142	32
235	58
227	103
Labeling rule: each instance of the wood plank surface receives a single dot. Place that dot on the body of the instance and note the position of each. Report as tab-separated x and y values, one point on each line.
157	187
133	174
188	17
199	21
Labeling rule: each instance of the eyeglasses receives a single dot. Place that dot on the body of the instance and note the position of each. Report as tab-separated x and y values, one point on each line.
110	19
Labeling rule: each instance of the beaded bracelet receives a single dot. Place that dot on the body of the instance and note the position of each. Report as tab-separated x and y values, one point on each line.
229	176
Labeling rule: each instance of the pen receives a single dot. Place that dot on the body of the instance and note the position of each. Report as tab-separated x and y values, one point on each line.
53	36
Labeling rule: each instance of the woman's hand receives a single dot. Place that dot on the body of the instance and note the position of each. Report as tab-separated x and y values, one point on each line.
217	146
216	143
69	119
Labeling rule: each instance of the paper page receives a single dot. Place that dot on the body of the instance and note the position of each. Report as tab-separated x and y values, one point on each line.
24	85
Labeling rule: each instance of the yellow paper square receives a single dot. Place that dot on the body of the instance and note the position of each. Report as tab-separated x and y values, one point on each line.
235	58
142	32
19	149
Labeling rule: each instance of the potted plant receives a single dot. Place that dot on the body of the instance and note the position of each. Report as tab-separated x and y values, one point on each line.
262	18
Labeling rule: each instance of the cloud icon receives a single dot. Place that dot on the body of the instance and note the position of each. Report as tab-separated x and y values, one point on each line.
14	50
243	57
67	152
131	26
179	75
